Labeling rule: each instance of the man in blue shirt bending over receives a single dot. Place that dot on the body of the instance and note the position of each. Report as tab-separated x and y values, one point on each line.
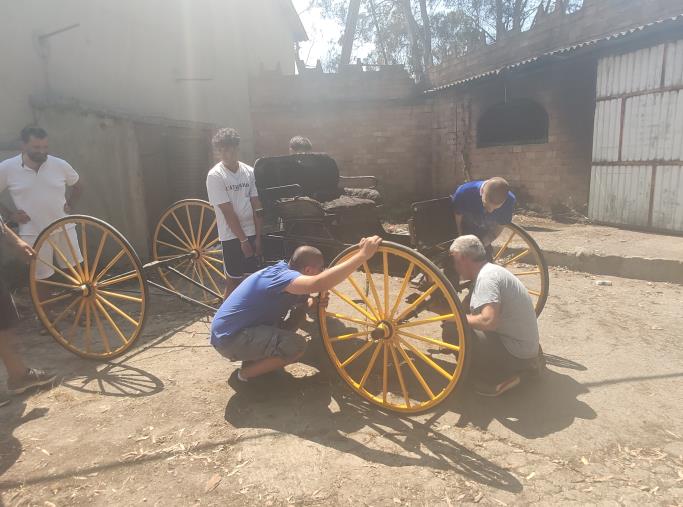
482	208
250	327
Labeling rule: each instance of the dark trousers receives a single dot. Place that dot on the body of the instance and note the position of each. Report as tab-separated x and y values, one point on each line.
491	361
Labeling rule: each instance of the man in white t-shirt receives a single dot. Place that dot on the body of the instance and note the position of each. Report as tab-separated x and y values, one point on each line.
231	187
43	189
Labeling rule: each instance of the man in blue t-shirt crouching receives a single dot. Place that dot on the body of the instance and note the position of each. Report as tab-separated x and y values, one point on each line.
482	208
250	327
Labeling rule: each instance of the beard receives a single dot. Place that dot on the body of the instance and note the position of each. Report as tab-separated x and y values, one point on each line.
38	158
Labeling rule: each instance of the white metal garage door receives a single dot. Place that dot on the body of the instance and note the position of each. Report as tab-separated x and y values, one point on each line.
637	171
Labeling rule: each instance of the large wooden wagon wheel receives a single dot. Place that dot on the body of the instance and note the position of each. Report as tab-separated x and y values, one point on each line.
95	302
384	342
189	226
518	252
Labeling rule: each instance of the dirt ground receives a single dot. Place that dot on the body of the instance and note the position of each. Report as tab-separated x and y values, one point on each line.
161	426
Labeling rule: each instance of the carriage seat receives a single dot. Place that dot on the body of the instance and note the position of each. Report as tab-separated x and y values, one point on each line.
308	186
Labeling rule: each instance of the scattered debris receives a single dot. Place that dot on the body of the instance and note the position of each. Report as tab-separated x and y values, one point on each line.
606	283
212	483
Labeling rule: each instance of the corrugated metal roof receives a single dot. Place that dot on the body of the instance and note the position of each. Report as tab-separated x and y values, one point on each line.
567	49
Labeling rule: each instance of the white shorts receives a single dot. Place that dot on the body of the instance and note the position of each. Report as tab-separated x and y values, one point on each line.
48	254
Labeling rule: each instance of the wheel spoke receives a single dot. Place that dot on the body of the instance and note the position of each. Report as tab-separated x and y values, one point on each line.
79	312
385	264
419	377
427	360
88	325
356	354
182	229
118	310
518	256
61	255
200	230
212	259
84	246
57	270
438	318
341	316
57	284
64	312
385	371
217	271
353	305
117	279
211	243
438	343
96	261
72	250
524	273
110	265
213	252
176	236
534	292
202	265
406	279
169	245
415	303
125	297
375	311
373	288
100	328
189	225
61	297
505	245
349	336
110	320
371	364
399	373
208	233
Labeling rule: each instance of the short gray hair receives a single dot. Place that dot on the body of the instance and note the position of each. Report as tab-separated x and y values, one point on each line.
470	246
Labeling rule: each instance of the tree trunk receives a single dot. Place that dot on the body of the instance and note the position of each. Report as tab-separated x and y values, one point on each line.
349	33
500	22
413	30
427	29
518	11
380	38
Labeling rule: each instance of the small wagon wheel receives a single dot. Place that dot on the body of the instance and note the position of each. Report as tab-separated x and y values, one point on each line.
518	252
95	302
396	344
189	226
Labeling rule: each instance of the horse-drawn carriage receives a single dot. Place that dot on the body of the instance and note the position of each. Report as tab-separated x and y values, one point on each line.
394	330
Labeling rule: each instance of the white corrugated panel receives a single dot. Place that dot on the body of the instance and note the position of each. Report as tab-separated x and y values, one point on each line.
631	72
667	206
653	127
620	194
607	124
673	68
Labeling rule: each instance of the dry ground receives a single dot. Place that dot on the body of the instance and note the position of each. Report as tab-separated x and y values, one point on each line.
160	426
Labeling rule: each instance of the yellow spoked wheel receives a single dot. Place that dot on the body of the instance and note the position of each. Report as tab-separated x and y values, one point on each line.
94	303
189	226
518	252
397	345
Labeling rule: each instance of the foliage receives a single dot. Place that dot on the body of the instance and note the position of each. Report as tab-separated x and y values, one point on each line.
454	27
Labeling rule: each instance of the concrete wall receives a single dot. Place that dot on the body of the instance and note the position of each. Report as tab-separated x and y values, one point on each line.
176	59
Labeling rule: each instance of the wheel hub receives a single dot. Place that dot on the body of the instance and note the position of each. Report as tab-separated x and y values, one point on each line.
383	331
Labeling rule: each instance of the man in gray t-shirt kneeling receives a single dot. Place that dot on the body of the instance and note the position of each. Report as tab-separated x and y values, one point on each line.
502	317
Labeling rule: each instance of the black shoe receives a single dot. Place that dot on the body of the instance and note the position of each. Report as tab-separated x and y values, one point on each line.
32	378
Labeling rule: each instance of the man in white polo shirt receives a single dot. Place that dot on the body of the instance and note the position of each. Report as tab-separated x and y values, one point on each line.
231	188
43	189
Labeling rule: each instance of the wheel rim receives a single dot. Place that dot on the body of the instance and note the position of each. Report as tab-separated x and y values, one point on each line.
515	250
95	308
383	334
189	226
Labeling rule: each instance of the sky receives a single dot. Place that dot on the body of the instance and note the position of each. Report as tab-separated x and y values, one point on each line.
322	34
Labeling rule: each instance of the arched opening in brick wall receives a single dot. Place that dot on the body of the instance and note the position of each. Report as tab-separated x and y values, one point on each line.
520	121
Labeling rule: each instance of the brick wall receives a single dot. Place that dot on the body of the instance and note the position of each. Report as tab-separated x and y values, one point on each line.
556	172
371	123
